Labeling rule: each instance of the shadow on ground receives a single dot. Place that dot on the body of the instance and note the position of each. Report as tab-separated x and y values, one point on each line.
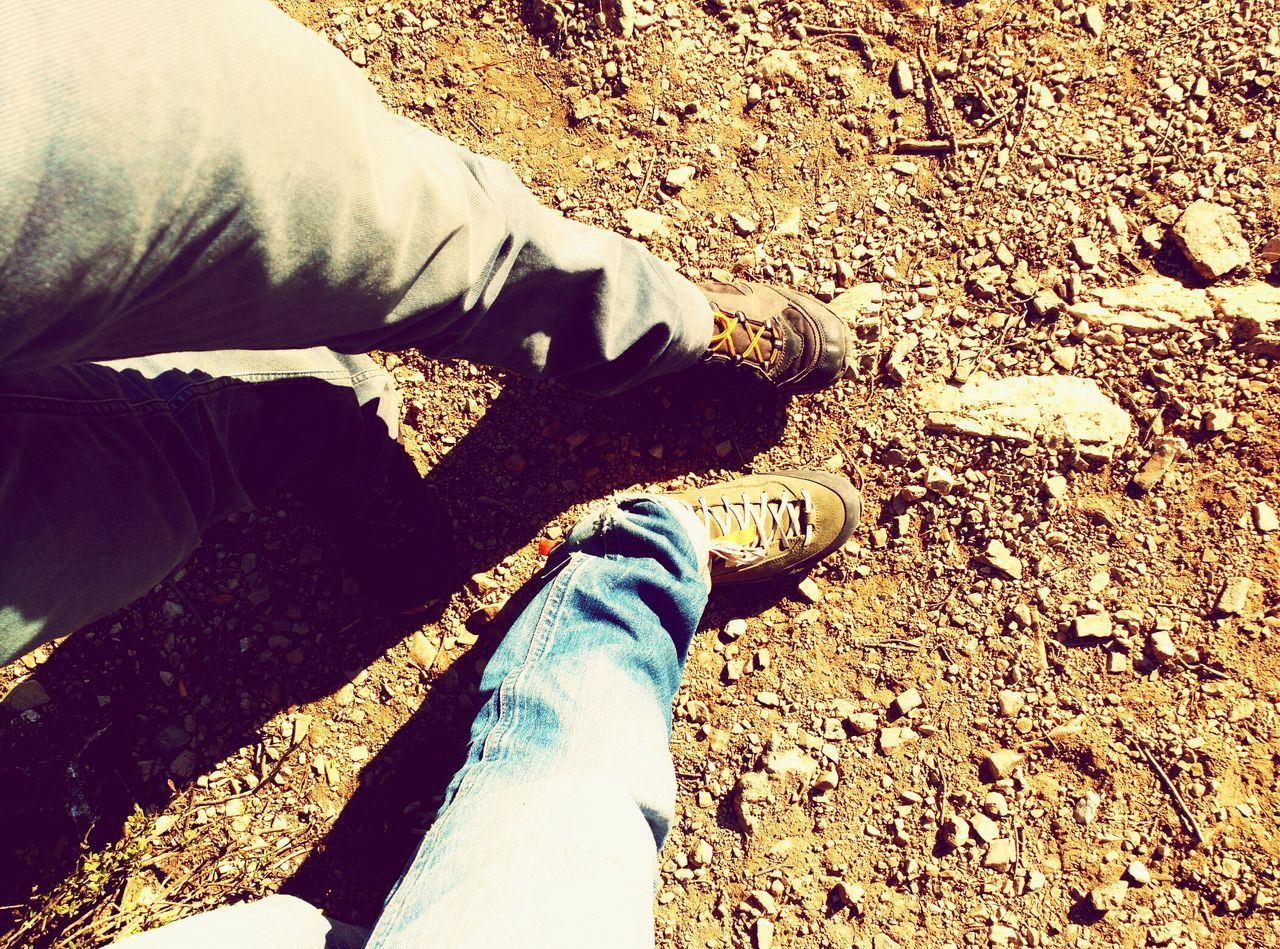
145	702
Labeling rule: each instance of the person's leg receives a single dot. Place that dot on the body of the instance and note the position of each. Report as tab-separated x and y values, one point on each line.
110	472
274	922
183	176
549	832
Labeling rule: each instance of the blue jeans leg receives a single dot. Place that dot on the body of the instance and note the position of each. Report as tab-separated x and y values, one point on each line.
181	176
110	472
549	832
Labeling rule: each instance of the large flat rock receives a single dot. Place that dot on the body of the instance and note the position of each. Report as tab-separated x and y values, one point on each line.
1153	305
1050	410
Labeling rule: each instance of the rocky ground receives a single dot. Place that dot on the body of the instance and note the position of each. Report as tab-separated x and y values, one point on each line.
1034	702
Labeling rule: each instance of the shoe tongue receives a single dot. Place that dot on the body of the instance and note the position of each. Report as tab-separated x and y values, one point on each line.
745	536
739	548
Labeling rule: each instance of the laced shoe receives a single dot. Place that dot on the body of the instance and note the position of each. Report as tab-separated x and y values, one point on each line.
766	526
787	339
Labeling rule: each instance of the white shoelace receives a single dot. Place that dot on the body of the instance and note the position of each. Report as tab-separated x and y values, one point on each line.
764	517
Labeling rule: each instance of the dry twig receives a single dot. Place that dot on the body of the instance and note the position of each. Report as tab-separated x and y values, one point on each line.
1179	805
917	146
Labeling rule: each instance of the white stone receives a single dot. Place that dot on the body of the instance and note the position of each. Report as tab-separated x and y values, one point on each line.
789	224
955	831
1085	251
1253	307
1011	702
1001	853
1138	873
1000	763
862	723
1162	645
1216	421
1234	596
1209	236
585	108
1109	897
764	933
1164	453
809	590
1093	626
1093	21
743	224
999	558
907	701
644	223
1029	409
850	894
791	763
901	79
894	739
702	854
677	178
984	828
1152	305
859	301
776	66
940	480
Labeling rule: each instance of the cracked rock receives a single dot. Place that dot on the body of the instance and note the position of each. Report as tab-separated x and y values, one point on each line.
1029	409
1209	237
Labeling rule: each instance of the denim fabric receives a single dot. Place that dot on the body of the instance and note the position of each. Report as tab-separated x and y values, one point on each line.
549	832
109	473
181	176
276	922
195	177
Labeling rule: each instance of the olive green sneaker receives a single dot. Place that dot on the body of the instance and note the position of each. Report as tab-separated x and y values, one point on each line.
786	339
771	525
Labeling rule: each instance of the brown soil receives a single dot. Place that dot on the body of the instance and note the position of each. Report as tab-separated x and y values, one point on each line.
254	725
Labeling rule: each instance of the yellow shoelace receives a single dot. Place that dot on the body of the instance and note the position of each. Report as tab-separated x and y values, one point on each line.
723	337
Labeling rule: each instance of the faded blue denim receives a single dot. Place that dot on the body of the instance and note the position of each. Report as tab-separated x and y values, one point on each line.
190	177
549	832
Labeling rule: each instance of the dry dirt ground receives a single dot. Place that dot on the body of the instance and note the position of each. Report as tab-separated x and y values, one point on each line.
1067	741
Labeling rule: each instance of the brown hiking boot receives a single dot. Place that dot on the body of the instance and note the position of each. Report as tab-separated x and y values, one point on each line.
788	339
770	525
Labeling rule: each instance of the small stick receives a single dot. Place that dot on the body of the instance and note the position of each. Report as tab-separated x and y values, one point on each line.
935	97
991	122
899	647
827	32
933	146
644	185
294	746
986	99
813	30
1179	805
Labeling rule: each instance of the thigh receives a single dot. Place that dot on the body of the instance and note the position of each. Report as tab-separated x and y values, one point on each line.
110	472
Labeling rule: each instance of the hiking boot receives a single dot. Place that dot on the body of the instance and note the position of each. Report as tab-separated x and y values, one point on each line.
771	525
788	339
395	536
